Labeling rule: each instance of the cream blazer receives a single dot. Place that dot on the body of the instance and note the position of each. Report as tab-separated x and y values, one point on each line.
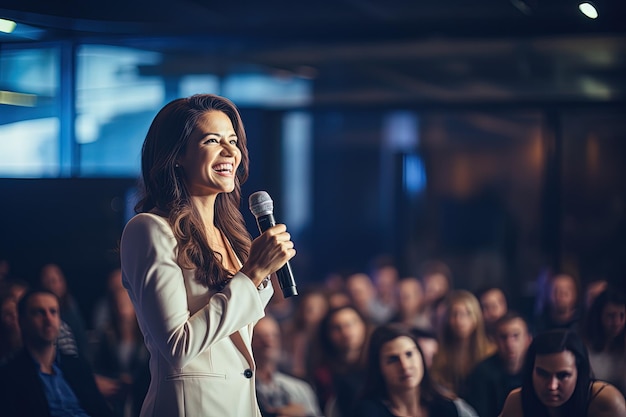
201	362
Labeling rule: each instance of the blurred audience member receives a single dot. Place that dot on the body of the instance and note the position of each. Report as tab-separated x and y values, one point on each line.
101	315
337	370
278	394
52	278
10	338
593	289
462	342
385	276
411	304
41	381
436	280
301	330
362	293
120	358
561	310
494	304
492	379
605	336
398	381
557	381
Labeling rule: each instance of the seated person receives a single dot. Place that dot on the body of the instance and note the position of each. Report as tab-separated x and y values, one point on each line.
398	381
41	380
557	381
492	379
278	393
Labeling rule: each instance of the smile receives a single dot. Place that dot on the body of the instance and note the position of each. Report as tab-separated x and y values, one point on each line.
223	168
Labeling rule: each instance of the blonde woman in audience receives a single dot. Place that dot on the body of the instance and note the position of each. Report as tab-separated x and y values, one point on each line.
463	342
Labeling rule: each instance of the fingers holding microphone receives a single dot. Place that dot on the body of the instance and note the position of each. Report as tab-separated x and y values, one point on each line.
268	253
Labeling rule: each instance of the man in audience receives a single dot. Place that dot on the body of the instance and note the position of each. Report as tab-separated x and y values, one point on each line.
41	380
492	379
493	303
278	393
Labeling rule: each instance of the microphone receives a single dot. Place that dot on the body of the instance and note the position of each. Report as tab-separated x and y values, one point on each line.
262	206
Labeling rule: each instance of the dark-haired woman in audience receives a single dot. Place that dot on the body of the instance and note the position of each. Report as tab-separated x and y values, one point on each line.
398	382
605	335
557	382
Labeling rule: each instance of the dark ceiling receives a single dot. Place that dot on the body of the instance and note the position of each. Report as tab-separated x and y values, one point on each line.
367	52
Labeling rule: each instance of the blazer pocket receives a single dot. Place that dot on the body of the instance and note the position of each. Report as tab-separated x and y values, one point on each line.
194	375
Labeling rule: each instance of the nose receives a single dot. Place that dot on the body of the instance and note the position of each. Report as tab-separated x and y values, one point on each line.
553	383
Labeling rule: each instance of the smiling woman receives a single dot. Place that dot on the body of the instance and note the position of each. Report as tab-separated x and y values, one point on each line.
557	381
197	282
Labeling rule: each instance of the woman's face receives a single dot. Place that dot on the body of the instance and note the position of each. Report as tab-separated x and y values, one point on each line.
461	321
347	330
401	364
211	158
554	378
613	319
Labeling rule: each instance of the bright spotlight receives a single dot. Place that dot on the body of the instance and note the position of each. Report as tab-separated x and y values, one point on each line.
588	10
7	26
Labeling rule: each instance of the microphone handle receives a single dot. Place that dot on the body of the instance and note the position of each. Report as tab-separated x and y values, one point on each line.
285	275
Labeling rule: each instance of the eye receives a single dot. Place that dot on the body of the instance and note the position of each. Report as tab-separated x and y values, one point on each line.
563	375
234	142
210	140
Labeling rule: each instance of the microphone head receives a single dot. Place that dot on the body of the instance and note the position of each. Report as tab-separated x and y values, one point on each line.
260	203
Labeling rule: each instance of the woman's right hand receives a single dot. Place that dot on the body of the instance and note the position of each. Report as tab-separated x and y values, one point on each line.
268	253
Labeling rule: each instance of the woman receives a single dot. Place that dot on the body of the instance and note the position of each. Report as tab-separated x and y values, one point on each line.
557	382
398	383
605	337
337	363
197	282
462	343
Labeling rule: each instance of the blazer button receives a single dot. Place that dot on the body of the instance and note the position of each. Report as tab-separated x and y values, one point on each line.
248	373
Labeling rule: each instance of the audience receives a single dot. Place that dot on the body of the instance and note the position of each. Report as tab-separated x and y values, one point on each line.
41	381
338	371
278	394
52	278
436	280
561	309
10	337
398	381
385	276
120	358
557	381
323	334
300	331
410	309
492	379
605	336
494	304
462	342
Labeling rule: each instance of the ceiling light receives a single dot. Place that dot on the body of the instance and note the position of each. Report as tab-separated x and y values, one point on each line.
588	10
7	26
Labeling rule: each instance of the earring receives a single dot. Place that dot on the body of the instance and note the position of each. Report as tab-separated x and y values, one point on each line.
176	166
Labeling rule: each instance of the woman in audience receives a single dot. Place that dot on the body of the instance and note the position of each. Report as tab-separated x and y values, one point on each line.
299	332
605	337
463	342
120	357
398	381
557	382
337	370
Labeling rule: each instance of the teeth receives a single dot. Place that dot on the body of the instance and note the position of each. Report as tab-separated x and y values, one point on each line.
223	167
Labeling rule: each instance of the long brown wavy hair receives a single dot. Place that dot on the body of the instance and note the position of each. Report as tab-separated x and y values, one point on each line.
165	190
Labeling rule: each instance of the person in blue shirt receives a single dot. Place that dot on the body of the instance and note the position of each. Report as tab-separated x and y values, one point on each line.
40	380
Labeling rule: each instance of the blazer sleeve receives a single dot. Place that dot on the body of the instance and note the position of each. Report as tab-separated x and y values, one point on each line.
156	285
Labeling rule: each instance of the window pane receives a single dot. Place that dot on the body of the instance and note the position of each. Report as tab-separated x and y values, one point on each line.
115	104
29	122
